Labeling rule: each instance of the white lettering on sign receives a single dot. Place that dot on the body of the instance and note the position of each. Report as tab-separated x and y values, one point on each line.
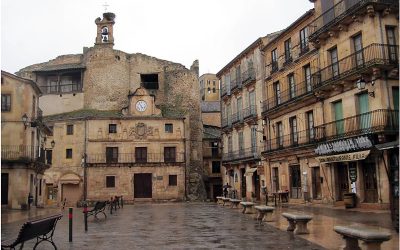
347	145
344	157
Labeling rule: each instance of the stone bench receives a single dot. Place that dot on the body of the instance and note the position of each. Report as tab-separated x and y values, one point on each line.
297	222
247	207
225	201
235	203
219	200
372	237
264	213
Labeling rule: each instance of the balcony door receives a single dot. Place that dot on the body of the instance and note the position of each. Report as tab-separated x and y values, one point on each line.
4	188
316	183
239	105
295	181
333	53
370	182
363	108
391	40
275	179
338	114
358	49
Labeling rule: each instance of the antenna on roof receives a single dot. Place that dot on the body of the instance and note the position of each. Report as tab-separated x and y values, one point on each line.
105	5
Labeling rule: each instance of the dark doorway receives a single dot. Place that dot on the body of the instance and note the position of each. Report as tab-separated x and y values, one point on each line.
275	180
217	191
370	183
142	185
342	178
316	183
256	180
295	182
4	188
243	183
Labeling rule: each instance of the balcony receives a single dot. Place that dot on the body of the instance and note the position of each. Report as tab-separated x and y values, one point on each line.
62	88
377	121
237	118
342	14
299	138
226	123
236	84
250	113
248	77
242	155
131	159
294	95
350	67
25	154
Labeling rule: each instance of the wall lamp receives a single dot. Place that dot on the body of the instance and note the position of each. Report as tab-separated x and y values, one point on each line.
52	143
26	121
361	86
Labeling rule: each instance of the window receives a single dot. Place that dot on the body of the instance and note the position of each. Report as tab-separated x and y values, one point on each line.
68	153
358	49
279	138
169	128
277	90
110	181
49	156
293	130
141	154
173	180
310	125
241	142
252	102
274	61
304	40
254	139
395	96
288	52
214	83
70	129
230	145
307	77
149	81
239	105
209	90
238	74
169	154
216	167
111	154
112	128
5	102
214	149
229	114
214	90
292	86
391	40
333	53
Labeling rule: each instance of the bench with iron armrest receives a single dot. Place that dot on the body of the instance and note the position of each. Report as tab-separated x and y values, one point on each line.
99	207
41	229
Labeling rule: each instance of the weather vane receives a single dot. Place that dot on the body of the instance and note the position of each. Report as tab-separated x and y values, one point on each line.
105	5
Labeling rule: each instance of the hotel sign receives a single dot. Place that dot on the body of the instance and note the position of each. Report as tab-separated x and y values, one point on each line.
346	145
356	156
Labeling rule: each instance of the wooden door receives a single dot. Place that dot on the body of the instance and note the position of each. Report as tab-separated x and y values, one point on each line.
316	183
142	185
342	178
295	181
256	180
243	183
275	179
370	183
363	107
4	188
338	109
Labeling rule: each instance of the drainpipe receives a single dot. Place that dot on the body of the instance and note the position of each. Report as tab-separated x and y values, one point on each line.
184	156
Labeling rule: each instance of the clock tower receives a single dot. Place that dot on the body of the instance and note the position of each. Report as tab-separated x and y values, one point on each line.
105	30
141	103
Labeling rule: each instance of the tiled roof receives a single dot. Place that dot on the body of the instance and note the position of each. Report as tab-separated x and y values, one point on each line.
211	132
60	67
84	113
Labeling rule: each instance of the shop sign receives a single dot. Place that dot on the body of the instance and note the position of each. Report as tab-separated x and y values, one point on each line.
351	144
353	172
356	156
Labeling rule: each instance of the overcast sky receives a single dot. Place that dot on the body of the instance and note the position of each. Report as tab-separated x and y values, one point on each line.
213	31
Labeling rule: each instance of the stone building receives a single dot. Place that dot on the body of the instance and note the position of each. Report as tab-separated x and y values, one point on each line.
22	143
331	110
90	95
241	121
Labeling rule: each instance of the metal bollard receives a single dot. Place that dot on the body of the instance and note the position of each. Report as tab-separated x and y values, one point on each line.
70	223
111	205
122	202
85	215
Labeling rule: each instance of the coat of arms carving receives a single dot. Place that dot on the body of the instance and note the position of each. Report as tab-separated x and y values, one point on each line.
141	131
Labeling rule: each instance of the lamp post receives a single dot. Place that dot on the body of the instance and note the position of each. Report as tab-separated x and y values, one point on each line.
84	191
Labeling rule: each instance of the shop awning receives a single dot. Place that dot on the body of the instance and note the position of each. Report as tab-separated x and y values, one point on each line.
355	156
70	179
387	145
250	171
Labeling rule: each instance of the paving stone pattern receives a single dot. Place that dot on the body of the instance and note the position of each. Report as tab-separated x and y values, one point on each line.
169	226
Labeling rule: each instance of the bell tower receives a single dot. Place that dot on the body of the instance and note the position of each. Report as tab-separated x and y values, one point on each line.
105	30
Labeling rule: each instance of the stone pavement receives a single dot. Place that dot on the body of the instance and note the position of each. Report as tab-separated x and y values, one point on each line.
202	225
168	226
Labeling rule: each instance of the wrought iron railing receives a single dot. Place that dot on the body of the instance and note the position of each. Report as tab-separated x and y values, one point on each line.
298	91
291	140
250	112
62	88
130	158
372	55
22	153
248	76
339	11
237	117
241	154
236	84
381	120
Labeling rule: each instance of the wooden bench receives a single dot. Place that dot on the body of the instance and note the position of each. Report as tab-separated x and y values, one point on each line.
99	207
219	200
371	236
247	207
235	203
41	229
297	222
263	212
225	201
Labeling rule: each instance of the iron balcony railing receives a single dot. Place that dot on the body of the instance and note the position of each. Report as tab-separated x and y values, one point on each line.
61	88
131	158
241	154
237	117
225	90
236	84
338	12
293	93
22	153
295	139
250	112
248	76
381	120
372	55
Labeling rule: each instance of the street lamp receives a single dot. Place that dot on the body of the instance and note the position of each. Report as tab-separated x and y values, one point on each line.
52	143
25	120
361	83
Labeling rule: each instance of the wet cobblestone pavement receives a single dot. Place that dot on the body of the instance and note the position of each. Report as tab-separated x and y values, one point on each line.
168	226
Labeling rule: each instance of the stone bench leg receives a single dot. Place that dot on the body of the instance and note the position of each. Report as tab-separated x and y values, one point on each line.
260	216
372	245
301	227
244	210
249	210
351	243
292	225
268	217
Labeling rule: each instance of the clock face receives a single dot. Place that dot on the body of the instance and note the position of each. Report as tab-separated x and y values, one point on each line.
141	106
